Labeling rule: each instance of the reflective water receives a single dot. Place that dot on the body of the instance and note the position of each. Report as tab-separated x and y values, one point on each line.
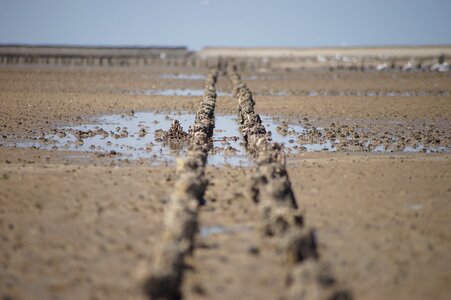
176	92
309	93
219	229
184	76
336	145
139	136
415	206
357	93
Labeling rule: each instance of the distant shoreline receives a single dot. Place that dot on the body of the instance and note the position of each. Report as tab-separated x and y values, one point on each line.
29	53
385	51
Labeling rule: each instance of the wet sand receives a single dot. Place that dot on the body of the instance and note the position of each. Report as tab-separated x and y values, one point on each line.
75	225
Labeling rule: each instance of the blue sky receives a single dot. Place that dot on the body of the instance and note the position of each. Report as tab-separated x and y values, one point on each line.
246	23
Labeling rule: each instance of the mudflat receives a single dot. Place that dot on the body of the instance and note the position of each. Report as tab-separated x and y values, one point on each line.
85	224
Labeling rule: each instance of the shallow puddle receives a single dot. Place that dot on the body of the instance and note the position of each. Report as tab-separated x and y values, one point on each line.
176	92
184	76
219	229
367	93
305	93
333	146
139	136
314	140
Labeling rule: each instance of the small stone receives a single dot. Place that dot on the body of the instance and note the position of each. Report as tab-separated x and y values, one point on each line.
198	289
253	250
142	132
